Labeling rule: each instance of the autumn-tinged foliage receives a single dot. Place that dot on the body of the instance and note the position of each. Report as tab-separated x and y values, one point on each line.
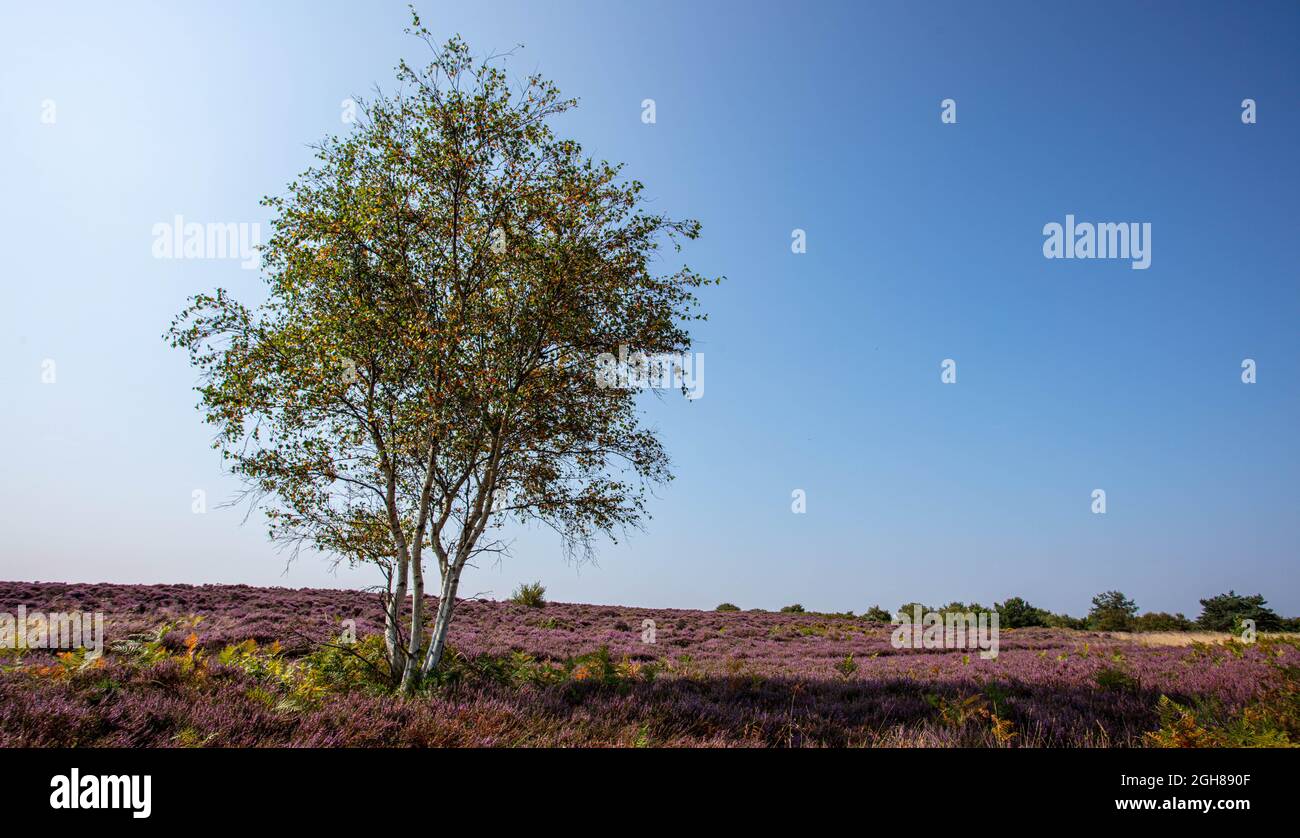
440	283
1270	720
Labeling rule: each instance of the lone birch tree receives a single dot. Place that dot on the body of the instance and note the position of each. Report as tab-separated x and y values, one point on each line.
440	283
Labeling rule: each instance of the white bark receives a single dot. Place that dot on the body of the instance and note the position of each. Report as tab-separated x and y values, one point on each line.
392	636
442	622
411	672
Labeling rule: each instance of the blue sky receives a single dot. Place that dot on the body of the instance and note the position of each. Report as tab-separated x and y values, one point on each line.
822	369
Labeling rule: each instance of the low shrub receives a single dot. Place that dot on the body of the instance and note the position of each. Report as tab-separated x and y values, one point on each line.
532	595
1114	679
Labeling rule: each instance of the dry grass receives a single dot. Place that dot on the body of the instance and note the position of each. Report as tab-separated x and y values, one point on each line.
1185	638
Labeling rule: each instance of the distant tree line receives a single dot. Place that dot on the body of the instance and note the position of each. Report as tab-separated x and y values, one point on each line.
1111	611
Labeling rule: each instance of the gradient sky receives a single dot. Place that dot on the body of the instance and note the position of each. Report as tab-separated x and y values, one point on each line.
822	370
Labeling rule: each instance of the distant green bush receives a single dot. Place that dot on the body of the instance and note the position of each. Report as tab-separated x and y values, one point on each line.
727	606
1015	612
1160	621
876	614
793	609
1065	621
962	608
532	595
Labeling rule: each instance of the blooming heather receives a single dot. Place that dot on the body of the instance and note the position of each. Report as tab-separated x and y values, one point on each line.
743	678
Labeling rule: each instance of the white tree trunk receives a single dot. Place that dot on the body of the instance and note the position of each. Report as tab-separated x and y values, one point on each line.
446	602
392	636
412	672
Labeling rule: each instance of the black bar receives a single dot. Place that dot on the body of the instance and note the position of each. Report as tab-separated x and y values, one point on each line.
297	786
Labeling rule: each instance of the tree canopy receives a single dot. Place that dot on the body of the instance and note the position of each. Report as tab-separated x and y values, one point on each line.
1112	611
439	284
1226	611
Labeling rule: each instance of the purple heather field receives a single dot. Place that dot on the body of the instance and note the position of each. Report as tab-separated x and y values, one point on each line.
744	678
